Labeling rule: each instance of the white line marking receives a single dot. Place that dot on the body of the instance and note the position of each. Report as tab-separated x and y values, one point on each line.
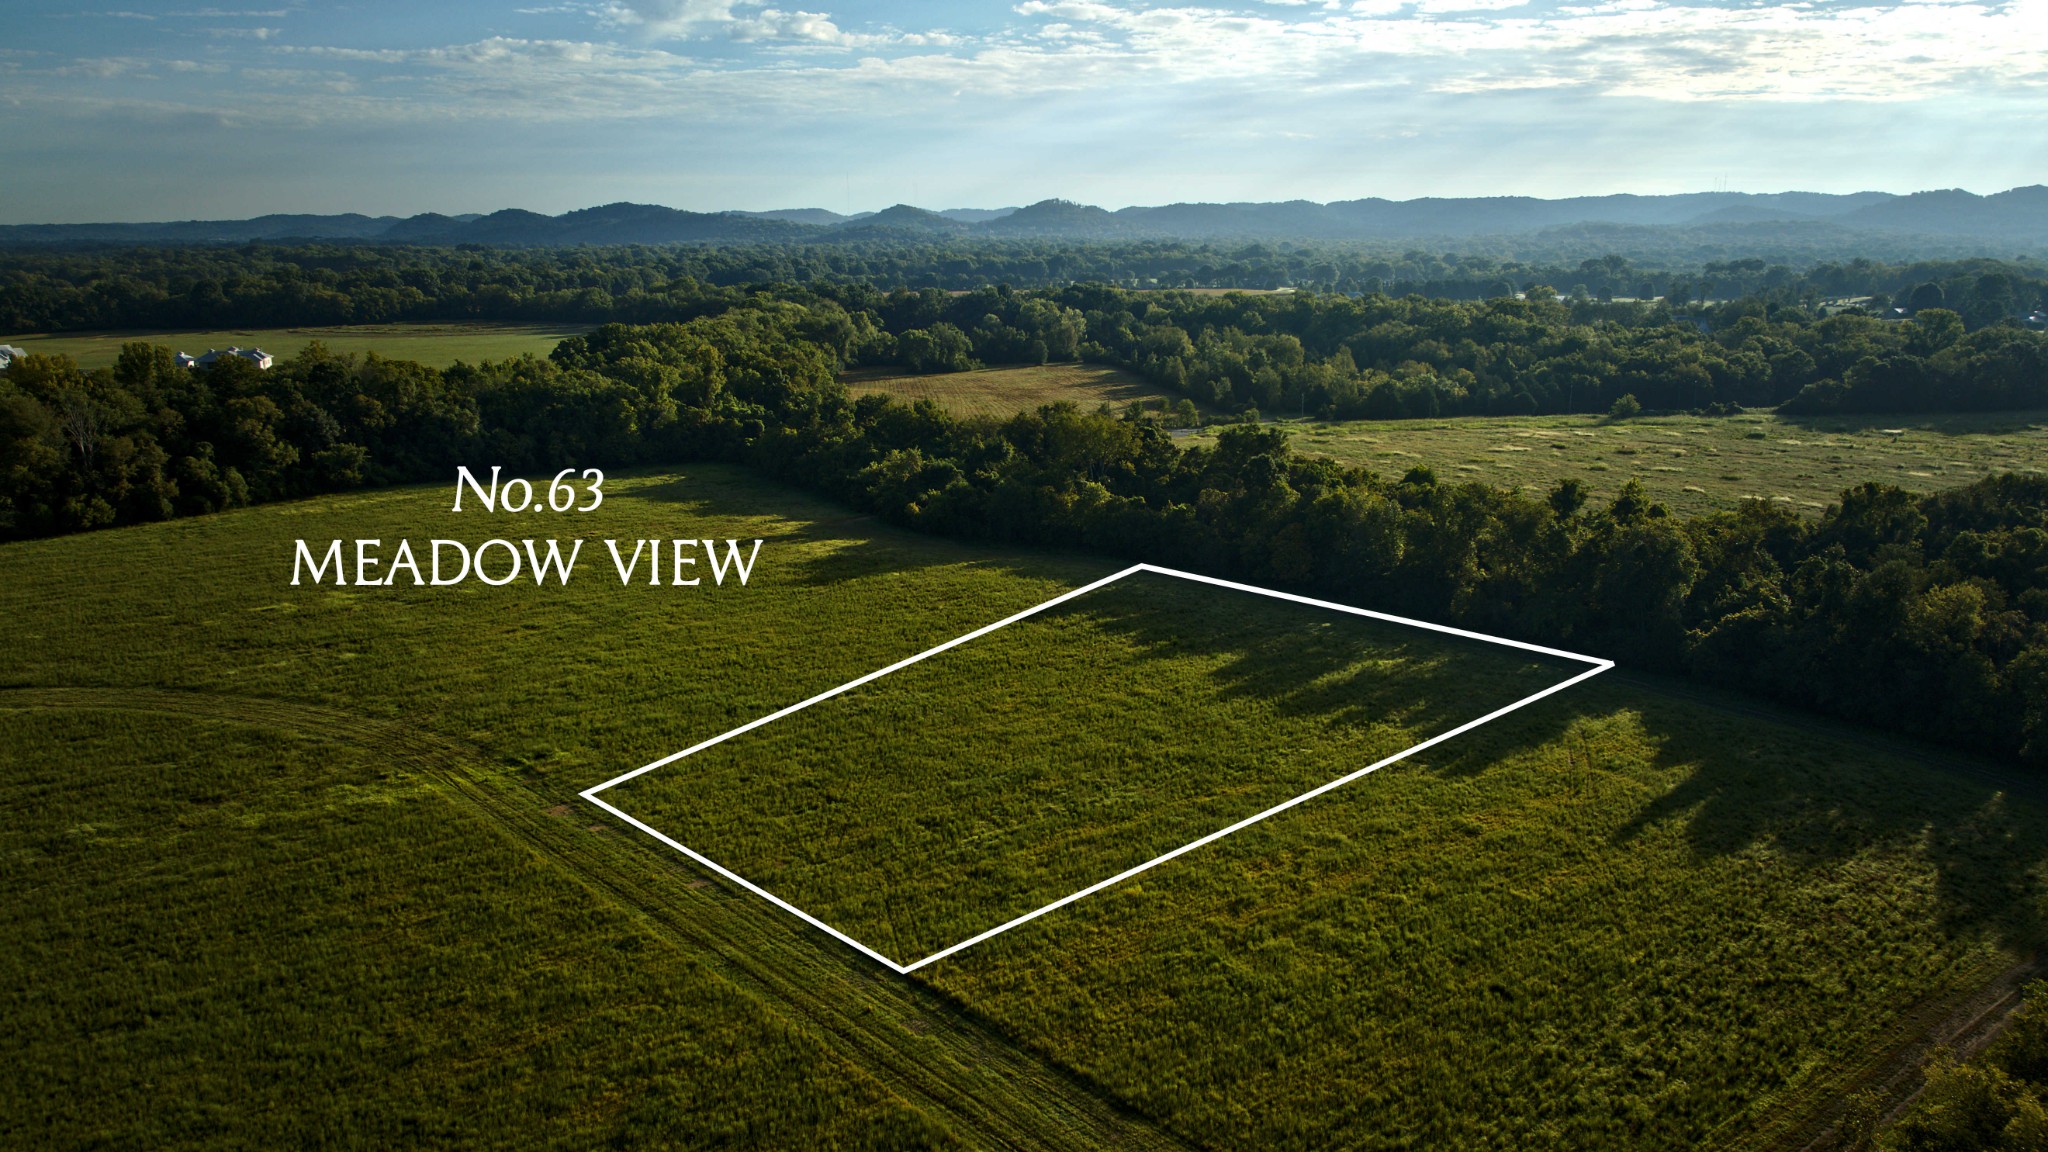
750	886
1335	607
590	794
1248	821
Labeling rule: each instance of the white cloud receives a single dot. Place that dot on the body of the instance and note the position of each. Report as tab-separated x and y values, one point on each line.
772	24
1268	69
1653	49
1434	7
671	18
752	21
103	67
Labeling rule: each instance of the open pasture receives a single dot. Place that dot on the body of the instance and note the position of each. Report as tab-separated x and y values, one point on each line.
1625	916
1694	464
436	345
1619	918
949	797
231	924
1005	391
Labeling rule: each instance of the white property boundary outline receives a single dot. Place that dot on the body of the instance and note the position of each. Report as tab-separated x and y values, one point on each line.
590	794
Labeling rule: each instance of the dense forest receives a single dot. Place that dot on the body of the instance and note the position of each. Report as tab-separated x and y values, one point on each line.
1381	357
1926	615
267	285
1996	1103
1951	337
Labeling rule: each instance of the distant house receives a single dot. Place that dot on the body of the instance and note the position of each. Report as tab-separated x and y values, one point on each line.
9	354
256	356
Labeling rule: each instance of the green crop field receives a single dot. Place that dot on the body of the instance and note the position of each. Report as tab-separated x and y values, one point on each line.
1203	706
438	345
1695	464
304	865
1004	392
229	926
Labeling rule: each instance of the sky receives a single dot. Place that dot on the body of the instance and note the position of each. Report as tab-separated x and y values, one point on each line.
156	111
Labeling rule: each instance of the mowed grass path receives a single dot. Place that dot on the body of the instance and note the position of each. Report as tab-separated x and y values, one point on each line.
291	915
437	345
1003	392
994	778
1694	464
1616	919
1619	918
221	935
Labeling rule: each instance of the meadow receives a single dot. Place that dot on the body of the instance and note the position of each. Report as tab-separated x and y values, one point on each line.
1005	391
367	797
226	931
1622	920
1693	464
437	345
938	802
1628	915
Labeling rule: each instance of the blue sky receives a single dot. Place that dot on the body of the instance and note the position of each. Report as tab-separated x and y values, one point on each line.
141	110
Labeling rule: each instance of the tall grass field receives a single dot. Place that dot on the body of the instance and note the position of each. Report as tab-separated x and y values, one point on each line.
1002	392
1694	464
308	865
436	345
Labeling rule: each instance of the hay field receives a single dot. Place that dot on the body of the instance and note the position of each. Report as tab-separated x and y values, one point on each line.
436	345
1006	391
1693	464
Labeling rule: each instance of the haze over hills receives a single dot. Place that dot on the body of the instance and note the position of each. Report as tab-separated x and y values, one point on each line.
2019	215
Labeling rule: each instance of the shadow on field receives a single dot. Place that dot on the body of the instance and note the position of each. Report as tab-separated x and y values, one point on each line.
861	547
2006	422
845	545
1820	795
1303	662
686	492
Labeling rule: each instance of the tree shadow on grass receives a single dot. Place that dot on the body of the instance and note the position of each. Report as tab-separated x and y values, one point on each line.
847	545
1820	795
1816	793
2002	422
1306	662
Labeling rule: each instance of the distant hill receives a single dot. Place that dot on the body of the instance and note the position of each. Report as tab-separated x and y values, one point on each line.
819	216
424	228
1956	211
2015	217
621	224
351	226
974	215
1296	218
904	218
1061	219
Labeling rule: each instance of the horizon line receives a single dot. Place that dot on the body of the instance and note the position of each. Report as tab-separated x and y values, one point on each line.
388	215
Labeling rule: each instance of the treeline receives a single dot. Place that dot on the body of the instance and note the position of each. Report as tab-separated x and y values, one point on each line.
1378	357
1996	1103
263	285
1326	354
1926	615
148	440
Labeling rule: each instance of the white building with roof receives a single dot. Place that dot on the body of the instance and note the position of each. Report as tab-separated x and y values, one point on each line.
256	356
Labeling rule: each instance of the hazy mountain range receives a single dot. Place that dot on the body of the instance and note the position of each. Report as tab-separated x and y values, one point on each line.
2016	216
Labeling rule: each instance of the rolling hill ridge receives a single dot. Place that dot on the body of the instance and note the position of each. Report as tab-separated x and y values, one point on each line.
2018	215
